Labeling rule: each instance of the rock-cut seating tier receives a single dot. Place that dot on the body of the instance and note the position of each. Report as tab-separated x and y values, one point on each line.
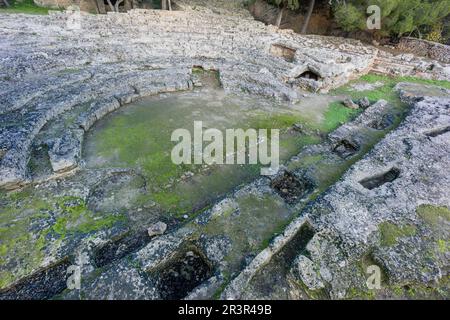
50	65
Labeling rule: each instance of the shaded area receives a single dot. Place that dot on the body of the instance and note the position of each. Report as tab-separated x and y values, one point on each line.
379	180
292	188
182	276
282	51
120	248
346	148
309	75
39	286
271	281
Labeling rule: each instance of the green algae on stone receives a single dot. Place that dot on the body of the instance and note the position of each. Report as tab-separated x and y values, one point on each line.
336	115
75	217
437	219
19	212
390	232
433	215
359	294
28	222
386	89
420	291
139	136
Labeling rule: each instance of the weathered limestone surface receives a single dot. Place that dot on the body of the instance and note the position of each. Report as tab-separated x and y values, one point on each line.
349	218
163	250
354	213
49	65
66	151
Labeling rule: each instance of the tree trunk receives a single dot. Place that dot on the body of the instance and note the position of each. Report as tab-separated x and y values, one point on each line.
118	2
163	4
308	16
6	2
97	9
170	4
110	5
279	17
101	6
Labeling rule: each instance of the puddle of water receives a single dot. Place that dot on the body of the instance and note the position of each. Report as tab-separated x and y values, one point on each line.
138	136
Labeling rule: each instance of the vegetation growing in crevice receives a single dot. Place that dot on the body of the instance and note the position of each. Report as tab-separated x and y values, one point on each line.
336	115
397	17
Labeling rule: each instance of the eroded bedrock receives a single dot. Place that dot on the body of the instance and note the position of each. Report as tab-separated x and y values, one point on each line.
390	211
126	182
50	68
87	182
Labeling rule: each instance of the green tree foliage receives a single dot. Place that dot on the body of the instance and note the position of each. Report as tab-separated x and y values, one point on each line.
290	4
398	17
350	18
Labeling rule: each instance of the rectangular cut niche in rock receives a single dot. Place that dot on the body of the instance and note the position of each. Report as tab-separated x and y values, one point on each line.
182	275
382	123
297	245
41	285
120	248
381	179
206	78
282	51
292	188
345	148
39	164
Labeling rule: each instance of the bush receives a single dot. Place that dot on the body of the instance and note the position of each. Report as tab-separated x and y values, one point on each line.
398	17
350	18
435	34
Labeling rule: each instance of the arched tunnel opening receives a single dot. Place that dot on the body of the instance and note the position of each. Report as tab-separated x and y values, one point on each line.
308	74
